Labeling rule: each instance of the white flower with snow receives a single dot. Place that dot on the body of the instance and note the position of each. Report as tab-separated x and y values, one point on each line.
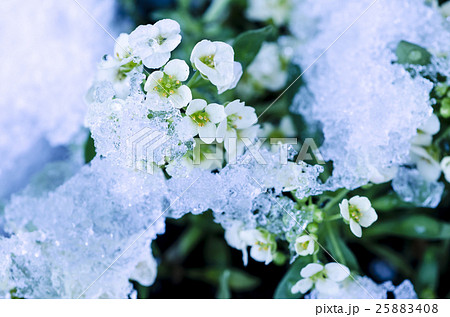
427	166
326	278
268	69
201	119
445	165
278	11
306	244
215	61
122	49
262	244
154	43
425	132
234	239
381	175
167	84
358	212
237	124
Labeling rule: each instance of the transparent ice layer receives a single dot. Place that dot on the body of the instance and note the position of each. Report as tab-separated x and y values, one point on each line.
49	50
63	240
369	107
363	287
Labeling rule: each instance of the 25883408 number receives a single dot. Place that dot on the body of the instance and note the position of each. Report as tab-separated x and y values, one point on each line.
406	308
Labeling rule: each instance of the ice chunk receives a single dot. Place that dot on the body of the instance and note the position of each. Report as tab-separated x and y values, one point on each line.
67	238
49	50
369	106
410	185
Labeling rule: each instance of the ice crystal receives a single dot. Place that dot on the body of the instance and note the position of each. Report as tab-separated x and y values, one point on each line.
369	107
46	71
63	240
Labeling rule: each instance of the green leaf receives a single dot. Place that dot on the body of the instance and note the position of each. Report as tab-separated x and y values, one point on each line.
89	150
428	274
238	281
348	255
417	226
291	277
248	44
409	53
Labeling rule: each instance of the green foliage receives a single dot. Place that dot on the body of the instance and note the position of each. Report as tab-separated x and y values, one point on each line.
89	150
248	44
409	53
413	226
291	277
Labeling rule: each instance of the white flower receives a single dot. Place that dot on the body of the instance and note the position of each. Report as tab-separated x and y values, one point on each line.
427	166
279	11
445	165
326	278
215	61
358	212
234	239
262	244
426	131
201	119
154	43
237	124
381	175
305	245
267	68
167	83
122	49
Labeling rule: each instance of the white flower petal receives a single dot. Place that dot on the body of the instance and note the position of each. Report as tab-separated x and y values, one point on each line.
207	133
152	81
302	286
336	272
431	125
343	207
355	228
234	107
362	203
195	105
216	112
328	287
368	217
168	26
181	97
187	128
246	118
311	269
259	254
178	69
156	60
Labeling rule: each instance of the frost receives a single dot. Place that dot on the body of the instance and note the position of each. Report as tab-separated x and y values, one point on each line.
64	239
363	287
368	106
46	71
412	187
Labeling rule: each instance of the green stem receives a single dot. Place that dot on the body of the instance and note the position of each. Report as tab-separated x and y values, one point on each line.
334	217
195	80
335	199
334	242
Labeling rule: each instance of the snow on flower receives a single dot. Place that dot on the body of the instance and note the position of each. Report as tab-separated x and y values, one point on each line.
201	119
215	61
306	244
234	239
278	11
359	213
154	43
238	124
167	84
325	278
262	244
426	164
